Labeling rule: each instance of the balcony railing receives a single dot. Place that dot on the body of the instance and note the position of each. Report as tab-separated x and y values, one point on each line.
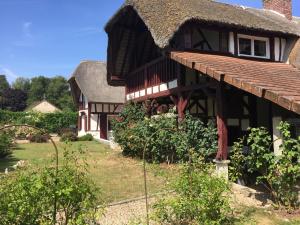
155	73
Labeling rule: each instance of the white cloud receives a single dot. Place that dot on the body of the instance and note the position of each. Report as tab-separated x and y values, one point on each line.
27	38
27	29
10	75
85	31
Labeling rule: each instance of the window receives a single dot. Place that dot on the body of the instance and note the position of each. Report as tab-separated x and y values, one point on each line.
245	46
253	46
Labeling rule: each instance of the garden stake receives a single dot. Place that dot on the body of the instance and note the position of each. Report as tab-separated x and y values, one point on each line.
145	173
56	161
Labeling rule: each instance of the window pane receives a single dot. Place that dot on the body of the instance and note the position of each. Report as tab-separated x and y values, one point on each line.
260	48
245	46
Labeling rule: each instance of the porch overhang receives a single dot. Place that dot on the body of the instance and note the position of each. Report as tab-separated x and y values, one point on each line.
276	82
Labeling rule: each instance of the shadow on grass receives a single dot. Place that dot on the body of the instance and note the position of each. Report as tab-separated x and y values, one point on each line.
9	160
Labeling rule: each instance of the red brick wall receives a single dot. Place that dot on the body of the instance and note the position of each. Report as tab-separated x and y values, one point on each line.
282	6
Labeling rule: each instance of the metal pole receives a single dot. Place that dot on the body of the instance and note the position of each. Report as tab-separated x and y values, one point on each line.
145	173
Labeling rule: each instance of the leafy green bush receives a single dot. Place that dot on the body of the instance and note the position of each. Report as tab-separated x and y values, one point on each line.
166	140
69	136
237	165
6	143
199	198
87	137
279	174
51	122
27	196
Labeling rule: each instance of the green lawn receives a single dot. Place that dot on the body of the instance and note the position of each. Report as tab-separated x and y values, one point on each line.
120	178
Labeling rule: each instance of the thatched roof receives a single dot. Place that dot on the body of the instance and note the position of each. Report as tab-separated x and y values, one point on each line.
164	17
90	79
294	58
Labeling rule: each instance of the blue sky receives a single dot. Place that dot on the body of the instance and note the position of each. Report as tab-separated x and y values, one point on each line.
50	37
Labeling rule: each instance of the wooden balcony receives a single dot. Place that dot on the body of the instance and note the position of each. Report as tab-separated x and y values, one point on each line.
157	76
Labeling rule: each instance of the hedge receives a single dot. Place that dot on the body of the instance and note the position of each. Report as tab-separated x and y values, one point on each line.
52	122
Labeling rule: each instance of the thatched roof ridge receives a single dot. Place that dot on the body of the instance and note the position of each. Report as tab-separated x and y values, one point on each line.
90	78
164	17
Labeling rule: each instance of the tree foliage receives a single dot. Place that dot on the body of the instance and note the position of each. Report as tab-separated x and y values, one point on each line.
22	84
3	83
13	100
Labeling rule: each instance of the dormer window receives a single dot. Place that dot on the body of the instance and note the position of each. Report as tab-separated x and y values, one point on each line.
252	46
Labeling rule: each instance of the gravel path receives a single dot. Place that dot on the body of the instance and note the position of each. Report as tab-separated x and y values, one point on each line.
128	212
125	213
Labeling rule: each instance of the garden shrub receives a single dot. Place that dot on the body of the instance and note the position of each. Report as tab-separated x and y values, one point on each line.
27	196
166	140
38	137
198	136
279	174
6	143
69	136
87	137
66	130
199	198
51	122
237	165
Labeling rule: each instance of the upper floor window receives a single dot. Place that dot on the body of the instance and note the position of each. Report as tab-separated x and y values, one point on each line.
252	46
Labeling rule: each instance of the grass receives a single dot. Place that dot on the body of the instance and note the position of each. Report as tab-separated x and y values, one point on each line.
120	178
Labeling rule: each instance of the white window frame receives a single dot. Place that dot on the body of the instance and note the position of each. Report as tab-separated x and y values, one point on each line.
254	38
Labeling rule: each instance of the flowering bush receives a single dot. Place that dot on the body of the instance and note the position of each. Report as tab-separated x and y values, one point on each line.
164	138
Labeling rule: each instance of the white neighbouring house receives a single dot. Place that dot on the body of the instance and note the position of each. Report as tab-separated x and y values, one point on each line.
97	102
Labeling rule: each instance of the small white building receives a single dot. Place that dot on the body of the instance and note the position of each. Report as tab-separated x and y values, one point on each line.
43	107
97	102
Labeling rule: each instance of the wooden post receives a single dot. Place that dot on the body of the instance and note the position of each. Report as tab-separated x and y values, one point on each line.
103	126
79	123
89	117
85	123
221	123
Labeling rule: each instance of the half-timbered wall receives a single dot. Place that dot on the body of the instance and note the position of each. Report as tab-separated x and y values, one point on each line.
209	38
93	120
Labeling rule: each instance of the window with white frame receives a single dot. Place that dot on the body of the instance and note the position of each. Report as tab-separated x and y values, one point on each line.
252	46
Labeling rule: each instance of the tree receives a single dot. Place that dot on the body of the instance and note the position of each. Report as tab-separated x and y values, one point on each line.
57	87
37	89
22	83
13	100
3	83
58	93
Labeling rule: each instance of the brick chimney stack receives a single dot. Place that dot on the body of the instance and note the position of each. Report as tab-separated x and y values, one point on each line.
283	7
